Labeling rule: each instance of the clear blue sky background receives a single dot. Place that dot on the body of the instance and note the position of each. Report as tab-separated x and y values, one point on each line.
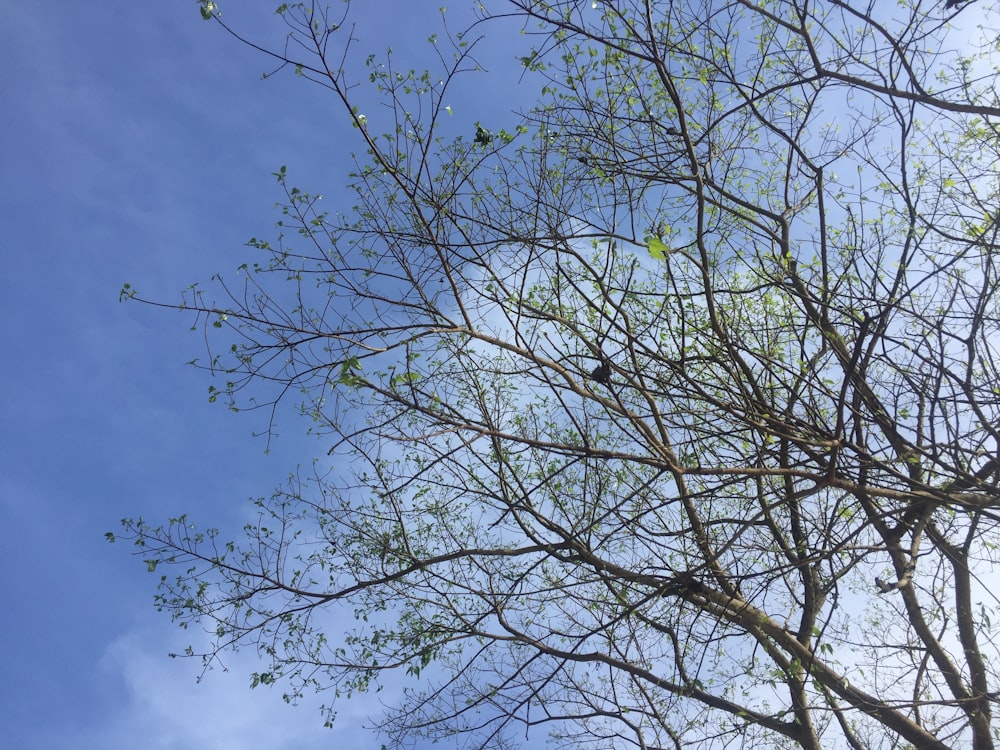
137	145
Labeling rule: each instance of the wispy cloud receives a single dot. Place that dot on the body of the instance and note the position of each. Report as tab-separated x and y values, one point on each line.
165	707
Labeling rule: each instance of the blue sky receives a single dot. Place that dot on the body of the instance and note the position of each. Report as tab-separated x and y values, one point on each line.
138	146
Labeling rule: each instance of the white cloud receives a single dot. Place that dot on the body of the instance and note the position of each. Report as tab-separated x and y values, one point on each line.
166	708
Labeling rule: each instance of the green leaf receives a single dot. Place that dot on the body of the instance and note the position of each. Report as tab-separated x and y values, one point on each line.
657	249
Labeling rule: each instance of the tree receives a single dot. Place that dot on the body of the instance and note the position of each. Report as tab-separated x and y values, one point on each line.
667	416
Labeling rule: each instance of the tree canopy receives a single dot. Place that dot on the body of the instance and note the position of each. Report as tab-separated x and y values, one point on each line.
666	414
